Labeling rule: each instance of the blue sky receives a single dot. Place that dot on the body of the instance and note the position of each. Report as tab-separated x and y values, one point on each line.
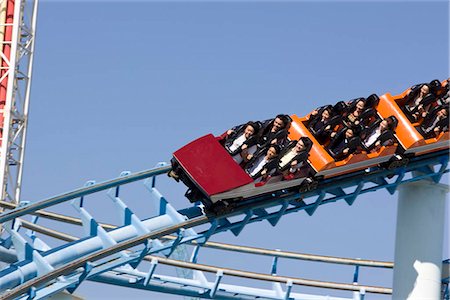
121	85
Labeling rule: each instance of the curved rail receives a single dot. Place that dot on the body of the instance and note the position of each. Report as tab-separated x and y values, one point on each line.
201	267
78	263
213	245
219	224
82	192
273	278
236	248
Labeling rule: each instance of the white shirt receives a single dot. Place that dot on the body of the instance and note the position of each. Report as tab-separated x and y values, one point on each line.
287	157
238	142
372	138
258	166
416	102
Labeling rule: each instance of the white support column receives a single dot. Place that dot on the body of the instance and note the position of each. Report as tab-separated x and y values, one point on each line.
419	241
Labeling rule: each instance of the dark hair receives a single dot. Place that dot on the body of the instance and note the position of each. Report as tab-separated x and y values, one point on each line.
307	142
255	126
357	129
441	107
329	109
372	100
276	147
339	107
284	118
435	86
392	122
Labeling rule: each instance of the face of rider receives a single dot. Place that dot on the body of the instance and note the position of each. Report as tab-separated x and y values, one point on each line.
271	153
278	124
349	133
360	106
424	90
384	125
442	113
249	131
300	146
325	114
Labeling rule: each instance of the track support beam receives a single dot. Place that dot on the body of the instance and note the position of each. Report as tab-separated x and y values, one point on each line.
419	241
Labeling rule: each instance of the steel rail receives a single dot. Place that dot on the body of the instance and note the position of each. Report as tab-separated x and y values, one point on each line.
80	262
273	278
135	177
234	248
55	216
215	269
20	211
298	256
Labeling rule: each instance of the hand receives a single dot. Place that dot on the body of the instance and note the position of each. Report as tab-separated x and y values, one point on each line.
294	163
264	172
378	144
328	127
437	130
243	147
273	142
346	150
230	131
250	156
333	134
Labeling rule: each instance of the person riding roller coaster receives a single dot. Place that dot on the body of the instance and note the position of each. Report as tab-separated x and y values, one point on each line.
234	139
345	142
292	160
273	132
323	121
381	133
258	166
419	102
436	122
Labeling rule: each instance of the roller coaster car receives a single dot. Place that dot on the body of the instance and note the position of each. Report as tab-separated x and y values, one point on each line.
411	140
201	160
214	178
326	166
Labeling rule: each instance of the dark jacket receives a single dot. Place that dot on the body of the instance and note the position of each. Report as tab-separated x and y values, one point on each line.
386	138
323	129
339	143
430	122
265	137
255	159
227	140
275	167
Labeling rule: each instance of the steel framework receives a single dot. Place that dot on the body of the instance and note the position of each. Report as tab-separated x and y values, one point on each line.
116	255
18	28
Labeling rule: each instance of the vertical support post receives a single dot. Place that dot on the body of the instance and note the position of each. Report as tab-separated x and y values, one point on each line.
213	291
419	240
356	275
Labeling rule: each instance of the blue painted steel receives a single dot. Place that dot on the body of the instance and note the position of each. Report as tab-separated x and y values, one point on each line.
192	288
288	290
274	264
328	191
7	216
356	274
87	269
149	275
213	291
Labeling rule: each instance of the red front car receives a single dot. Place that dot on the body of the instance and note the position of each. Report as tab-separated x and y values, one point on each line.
209	166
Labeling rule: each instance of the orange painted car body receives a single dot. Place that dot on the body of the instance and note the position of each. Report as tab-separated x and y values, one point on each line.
410	138
321	160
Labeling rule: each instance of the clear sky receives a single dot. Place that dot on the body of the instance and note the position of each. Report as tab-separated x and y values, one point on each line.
120	85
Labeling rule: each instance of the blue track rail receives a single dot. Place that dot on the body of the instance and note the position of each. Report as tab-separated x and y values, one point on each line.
43	279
